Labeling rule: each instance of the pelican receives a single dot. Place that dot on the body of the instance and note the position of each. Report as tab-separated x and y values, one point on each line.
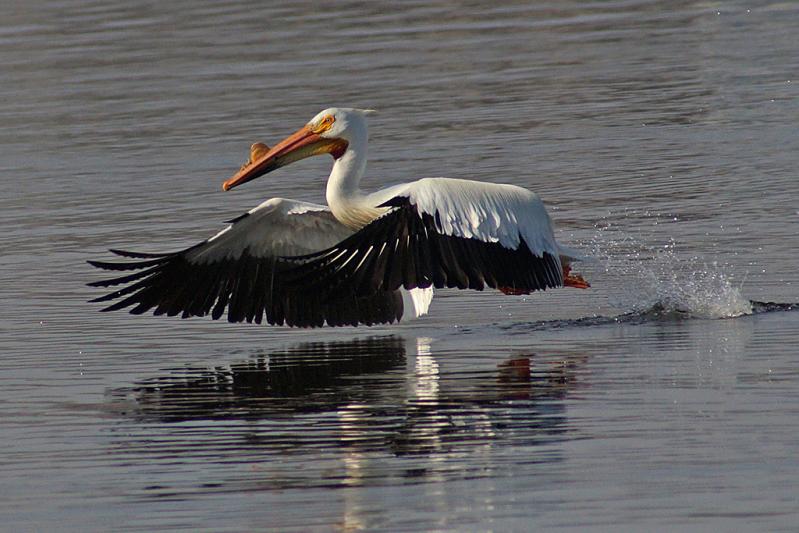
365	258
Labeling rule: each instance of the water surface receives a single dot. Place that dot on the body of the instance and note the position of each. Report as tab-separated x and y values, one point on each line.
661	136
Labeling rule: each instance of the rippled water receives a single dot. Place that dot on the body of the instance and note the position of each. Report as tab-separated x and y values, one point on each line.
661	135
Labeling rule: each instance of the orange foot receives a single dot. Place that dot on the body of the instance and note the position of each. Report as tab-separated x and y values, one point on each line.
573	280
569	280
513	291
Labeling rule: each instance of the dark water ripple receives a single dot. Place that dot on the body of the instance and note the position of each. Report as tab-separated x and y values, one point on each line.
662	136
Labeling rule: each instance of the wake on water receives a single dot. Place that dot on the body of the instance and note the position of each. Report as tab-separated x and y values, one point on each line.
658	283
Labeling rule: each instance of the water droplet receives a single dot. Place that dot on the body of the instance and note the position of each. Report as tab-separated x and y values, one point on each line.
657	279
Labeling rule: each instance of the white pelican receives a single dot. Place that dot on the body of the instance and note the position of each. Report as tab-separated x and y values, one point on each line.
363	259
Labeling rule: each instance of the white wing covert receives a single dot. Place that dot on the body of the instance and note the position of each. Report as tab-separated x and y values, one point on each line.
442	232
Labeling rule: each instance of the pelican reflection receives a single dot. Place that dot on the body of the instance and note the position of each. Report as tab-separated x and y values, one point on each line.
383	407
309	377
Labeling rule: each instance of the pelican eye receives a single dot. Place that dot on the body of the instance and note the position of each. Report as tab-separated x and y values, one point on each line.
325	124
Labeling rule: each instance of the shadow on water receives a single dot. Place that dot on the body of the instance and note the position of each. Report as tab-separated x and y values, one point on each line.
383	397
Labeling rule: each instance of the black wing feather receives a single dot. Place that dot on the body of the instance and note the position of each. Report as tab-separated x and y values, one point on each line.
250	288
406	248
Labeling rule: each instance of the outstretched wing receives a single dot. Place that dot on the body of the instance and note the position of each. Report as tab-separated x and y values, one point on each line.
442	233
240	270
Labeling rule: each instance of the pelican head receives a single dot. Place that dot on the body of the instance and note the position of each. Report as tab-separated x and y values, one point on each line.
329	132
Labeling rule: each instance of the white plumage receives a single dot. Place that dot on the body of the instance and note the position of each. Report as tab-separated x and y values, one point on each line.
488	212
277	227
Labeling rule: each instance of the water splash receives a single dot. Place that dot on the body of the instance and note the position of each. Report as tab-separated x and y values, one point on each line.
660	280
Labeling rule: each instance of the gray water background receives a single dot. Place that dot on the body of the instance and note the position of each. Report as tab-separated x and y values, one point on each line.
663	138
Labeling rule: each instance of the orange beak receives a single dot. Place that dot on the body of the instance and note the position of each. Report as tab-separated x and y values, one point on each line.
299	145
